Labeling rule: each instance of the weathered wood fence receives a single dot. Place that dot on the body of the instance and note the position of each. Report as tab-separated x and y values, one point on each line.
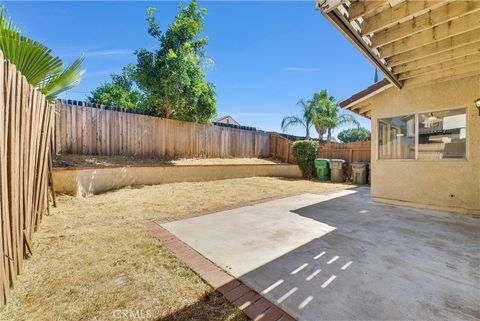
90	130
101	130
26	122
281	148
350	152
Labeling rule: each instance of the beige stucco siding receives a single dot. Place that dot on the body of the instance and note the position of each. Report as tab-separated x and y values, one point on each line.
446	184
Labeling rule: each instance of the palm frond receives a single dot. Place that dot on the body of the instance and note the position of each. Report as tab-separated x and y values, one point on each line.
291	121
36	61
68	79
6	22
33	59
346	118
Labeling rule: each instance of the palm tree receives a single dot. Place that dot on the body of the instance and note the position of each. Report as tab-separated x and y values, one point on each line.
328	115
320	100
306	120
35	61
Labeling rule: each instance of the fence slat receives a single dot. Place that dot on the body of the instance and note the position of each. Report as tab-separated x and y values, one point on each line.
281	148
98	131
26	124
118	132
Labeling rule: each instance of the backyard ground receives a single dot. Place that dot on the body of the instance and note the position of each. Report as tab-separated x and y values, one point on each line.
102	161
94	260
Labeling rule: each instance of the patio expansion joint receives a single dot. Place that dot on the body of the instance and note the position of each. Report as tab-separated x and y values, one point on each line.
254	305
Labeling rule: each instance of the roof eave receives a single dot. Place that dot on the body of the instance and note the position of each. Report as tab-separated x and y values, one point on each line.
355	38
362	96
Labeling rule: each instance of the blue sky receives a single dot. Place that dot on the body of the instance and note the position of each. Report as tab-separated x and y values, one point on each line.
267	54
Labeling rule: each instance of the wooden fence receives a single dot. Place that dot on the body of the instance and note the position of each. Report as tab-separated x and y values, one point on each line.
281	148
88	130
26	122
350	152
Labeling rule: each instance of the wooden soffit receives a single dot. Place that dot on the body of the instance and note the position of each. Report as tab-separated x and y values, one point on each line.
412	42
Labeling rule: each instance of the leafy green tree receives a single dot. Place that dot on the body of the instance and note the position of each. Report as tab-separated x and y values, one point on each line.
328	114
172	77
120	91
354	135
306	120
41	69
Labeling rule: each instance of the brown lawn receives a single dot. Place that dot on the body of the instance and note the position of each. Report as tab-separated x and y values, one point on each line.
94	260
103	161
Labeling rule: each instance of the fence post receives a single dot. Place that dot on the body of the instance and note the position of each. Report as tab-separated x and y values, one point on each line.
289	145
350	164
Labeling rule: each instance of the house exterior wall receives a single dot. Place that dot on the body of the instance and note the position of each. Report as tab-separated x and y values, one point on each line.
452	185
227	120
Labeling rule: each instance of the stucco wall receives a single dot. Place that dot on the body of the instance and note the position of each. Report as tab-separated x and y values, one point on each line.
87	181
445	184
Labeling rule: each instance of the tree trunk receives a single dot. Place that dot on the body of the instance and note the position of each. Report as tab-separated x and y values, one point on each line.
320	132
168	111
329	140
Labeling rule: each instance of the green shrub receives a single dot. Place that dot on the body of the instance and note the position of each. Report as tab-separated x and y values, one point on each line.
305	152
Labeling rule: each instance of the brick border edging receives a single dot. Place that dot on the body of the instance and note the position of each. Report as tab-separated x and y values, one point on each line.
254	305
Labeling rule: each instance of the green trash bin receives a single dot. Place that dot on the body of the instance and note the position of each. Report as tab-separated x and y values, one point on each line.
323	170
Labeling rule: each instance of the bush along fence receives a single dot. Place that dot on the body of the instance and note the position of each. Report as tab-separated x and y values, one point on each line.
26	122
89	129
281	148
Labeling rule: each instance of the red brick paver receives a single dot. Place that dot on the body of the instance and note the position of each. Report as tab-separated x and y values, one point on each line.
253	304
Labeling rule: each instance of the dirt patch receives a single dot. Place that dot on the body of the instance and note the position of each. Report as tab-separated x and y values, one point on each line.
104	161
94	260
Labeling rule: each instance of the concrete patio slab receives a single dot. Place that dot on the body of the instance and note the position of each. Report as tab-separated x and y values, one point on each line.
343	257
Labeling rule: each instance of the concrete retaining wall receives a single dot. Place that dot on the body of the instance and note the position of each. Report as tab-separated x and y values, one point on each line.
88	181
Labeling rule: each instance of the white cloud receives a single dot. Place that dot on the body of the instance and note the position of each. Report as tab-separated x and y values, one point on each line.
103	73
110	52
75	52
301	69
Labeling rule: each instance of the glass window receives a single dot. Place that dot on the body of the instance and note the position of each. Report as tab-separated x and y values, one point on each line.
396	137
442	134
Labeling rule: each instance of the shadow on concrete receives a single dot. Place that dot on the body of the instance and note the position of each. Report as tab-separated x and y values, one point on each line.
381	262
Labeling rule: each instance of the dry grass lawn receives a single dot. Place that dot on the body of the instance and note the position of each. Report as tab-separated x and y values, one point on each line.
94	260
103	161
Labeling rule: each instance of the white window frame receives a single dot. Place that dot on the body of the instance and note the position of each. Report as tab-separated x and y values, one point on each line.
416	139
